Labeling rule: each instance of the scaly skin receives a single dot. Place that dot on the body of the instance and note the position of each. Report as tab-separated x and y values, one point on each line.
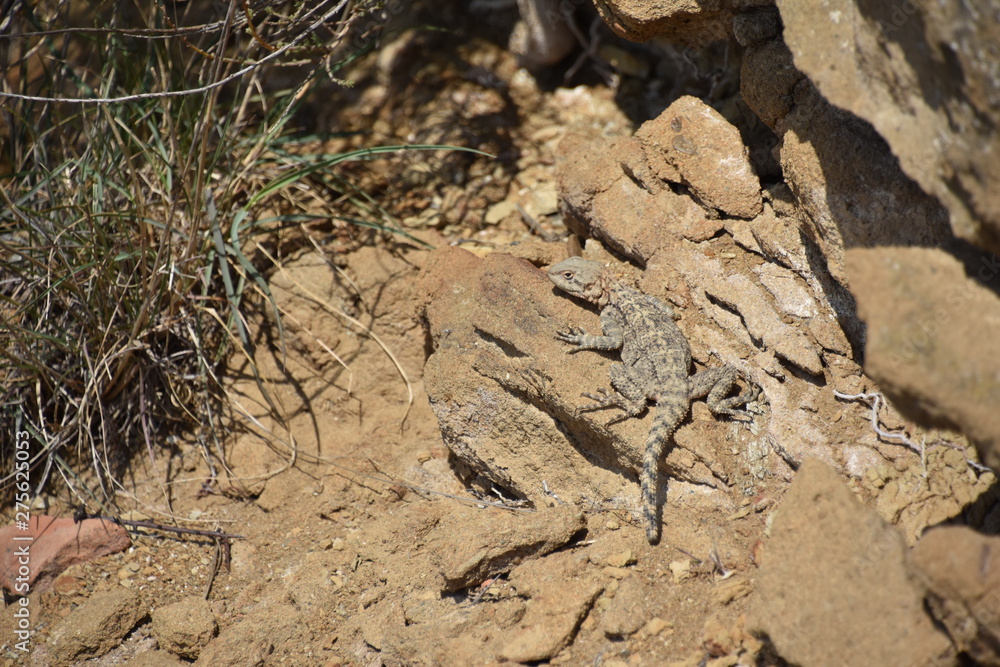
656	363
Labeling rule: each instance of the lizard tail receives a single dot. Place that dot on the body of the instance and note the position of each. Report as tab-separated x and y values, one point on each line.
667	418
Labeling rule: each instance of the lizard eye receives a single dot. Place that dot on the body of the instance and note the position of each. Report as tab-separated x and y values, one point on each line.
568	275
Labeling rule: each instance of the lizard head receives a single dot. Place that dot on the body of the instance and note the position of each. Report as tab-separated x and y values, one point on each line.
579	277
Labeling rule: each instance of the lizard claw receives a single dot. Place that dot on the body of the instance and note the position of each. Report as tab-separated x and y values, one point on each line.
572	335
600	390
602	401
741	407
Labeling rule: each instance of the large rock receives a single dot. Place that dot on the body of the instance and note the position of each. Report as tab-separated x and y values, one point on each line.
624	191
556	609
619	192
963	581
707	153
925	76
95	627
833	587
495	542
505	391
881	151
184	628
933	337
690	23
849	188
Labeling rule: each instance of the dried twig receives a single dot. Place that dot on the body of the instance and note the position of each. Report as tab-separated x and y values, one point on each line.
901	437
511	505
876	401
717	562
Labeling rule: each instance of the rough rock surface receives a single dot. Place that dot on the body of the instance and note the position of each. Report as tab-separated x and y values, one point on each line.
493	322
56	545
619	192
961	571
236	648
623	191
881	147
552	617
694	24
624	614
924	75
706	152
488	329
933	492
95	628
498	541
184	627
848	185
155	659
917	302
821	528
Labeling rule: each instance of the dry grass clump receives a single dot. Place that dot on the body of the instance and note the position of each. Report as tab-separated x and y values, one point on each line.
143	150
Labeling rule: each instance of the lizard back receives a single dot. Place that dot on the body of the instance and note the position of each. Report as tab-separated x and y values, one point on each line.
652	342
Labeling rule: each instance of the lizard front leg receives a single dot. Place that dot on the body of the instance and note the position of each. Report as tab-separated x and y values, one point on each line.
611	340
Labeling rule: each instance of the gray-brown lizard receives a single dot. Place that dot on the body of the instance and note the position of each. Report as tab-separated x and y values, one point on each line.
656	364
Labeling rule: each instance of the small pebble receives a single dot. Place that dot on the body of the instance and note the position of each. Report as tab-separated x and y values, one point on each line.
655	626
623	559
681	569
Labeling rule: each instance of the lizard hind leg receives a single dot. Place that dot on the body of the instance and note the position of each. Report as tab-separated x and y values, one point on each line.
715	385
605	399
630	386
626	394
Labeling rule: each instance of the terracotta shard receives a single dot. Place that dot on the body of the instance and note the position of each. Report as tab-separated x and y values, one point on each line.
32	556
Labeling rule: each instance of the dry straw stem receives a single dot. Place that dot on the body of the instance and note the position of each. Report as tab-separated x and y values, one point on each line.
292	447
272	438
350	373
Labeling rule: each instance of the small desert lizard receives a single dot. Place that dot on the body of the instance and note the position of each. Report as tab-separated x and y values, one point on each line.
656	364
